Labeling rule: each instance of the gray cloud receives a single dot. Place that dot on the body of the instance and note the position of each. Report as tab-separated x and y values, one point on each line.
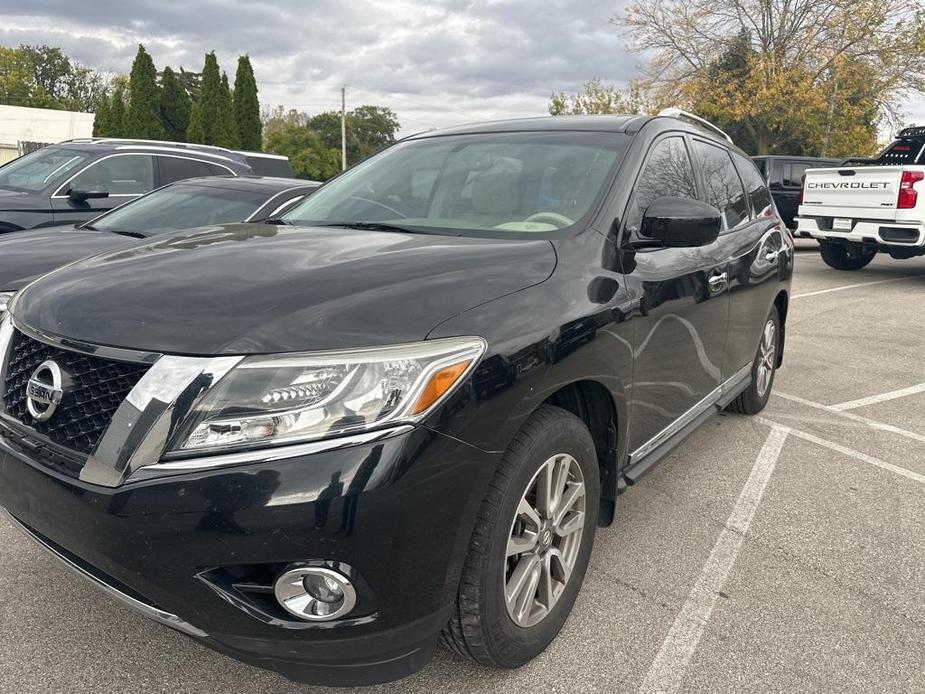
434	62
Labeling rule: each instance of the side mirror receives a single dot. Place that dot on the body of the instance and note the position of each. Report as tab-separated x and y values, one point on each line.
77	195
681	222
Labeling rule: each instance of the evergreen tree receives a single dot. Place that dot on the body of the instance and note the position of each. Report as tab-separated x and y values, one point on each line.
117	113
247	107
144	118
210	102
194	130
174	107
228	136
102	120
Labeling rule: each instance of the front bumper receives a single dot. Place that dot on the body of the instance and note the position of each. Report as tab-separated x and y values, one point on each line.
398	511
881	233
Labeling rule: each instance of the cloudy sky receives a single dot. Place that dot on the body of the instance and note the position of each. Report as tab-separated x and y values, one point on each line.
434	62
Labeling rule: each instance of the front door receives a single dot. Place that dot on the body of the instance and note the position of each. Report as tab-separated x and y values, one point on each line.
681	307
123	176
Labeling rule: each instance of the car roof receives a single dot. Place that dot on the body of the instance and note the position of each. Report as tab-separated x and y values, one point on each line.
269	184
602	123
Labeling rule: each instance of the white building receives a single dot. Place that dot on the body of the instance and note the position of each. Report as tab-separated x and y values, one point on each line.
38	125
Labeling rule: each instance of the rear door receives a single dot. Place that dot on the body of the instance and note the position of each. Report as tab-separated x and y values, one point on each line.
123	176
759	259
176	168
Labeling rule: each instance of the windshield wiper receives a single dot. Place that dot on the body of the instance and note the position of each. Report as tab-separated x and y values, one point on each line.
278	221
372	226
122	232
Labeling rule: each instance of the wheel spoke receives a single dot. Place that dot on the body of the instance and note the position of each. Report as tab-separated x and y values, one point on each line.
547	592
558	565
519	582
573	523
545	489
574	492
518	544
527	513
527	596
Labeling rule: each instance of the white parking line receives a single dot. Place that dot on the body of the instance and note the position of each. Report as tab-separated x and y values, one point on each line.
873	423
850	452
854	286
883	397
670	665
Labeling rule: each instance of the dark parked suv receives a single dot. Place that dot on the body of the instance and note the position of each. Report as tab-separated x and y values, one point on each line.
405	409
785	177
77	180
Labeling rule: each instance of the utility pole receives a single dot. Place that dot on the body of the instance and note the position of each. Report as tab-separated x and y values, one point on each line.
343	128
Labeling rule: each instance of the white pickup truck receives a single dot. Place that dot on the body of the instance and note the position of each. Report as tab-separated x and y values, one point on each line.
866	206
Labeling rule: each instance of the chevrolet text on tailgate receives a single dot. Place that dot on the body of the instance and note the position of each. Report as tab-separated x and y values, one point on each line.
867	206
400	412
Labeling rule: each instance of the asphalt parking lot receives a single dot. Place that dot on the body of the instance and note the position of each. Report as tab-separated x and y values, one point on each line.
784	553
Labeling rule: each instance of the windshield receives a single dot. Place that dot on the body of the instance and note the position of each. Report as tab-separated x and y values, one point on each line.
40	169
182	206
486	183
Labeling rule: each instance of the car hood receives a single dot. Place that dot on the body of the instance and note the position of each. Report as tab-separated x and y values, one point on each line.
256	288
26	255
20	200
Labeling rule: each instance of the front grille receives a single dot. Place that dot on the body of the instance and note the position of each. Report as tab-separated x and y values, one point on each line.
98	387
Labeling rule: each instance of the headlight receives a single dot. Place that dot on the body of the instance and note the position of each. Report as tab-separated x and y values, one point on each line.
5	299
270	400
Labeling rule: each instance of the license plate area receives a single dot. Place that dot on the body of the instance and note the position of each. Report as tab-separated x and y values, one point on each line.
841	224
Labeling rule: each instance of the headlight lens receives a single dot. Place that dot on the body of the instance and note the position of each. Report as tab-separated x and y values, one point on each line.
5	299
302	397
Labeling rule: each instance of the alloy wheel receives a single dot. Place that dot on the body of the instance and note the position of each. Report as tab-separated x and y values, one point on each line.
544	540
767	351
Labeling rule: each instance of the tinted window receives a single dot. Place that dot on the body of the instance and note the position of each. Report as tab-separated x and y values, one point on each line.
723	188
793	175
40	169
176	169
182	206
128	174
490	183
757	189
666	173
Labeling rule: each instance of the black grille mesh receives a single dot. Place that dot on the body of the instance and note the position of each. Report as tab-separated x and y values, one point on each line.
98	388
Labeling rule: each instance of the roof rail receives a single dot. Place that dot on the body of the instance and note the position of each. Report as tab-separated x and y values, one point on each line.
171	143
697	120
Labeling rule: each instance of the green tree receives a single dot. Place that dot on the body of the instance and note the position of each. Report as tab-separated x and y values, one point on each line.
144	118
118	114
59	82
174	107
194	129
102	118
247	107
369	129
228	136
288	133
17	82
211	101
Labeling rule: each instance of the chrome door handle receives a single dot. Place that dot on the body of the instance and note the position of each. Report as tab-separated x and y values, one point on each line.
717	281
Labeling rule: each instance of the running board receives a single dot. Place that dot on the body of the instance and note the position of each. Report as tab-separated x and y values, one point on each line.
639	466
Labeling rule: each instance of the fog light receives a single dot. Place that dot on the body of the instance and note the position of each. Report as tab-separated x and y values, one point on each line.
315	594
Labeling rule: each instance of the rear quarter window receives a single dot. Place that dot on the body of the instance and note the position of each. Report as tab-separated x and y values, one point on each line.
754	184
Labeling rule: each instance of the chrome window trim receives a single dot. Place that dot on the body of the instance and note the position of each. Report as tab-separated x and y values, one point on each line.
58	196
272	198
166	618
153	148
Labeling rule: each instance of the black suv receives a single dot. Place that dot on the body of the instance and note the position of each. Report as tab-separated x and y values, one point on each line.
194	202
785	177
75	181
405	409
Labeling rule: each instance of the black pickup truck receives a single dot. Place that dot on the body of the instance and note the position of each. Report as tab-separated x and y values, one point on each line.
784	175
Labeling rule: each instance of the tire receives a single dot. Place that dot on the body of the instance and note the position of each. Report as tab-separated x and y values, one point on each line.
764	367
483	627
843	256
